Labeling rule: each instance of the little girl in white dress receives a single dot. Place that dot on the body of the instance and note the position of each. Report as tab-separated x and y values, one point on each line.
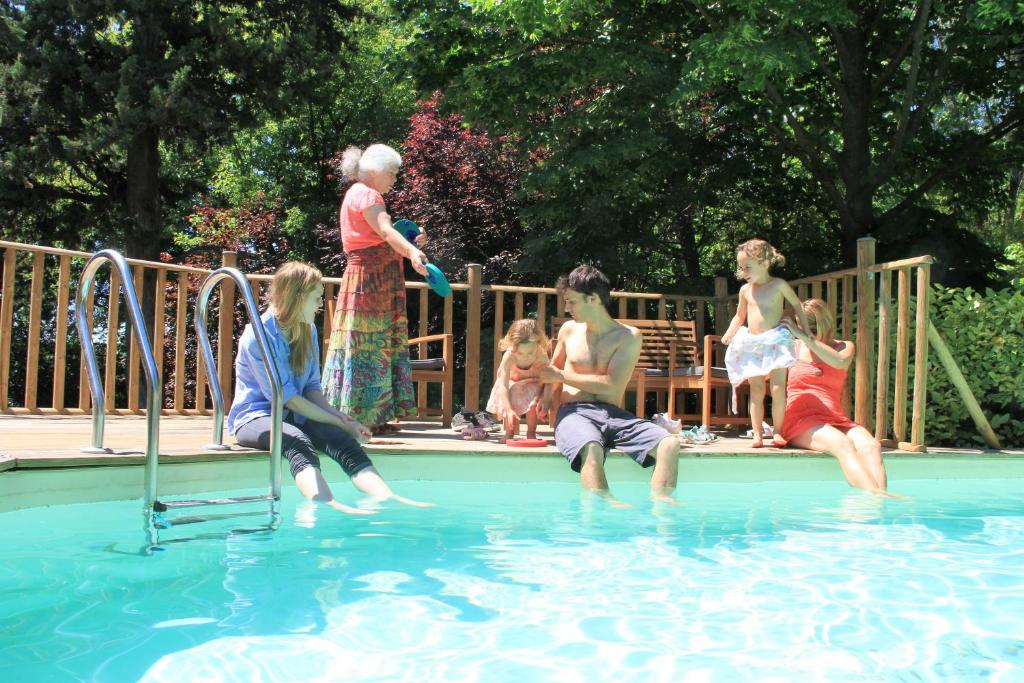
518	391
759	344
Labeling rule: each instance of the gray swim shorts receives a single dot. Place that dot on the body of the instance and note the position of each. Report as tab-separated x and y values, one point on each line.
578	424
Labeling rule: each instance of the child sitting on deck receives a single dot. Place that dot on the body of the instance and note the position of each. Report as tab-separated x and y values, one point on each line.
518	391
759	344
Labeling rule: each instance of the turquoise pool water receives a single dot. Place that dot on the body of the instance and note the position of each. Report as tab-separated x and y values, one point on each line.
531	581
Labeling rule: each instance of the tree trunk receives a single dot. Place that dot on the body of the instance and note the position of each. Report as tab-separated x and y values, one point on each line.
143	237
855	156
688	241
1010	215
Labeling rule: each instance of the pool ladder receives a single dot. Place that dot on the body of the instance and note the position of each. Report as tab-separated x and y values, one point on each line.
152	506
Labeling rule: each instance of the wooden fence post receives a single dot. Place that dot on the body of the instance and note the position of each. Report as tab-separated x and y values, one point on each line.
134	355
882	373
865	338
899	419
499	325
6	326
225	335
34	327
475	294
921	320
721	309
60	350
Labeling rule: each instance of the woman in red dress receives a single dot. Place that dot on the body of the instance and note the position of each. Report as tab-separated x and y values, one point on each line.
814	418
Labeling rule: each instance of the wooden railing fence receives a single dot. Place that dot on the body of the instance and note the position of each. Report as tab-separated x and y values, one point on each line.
36	301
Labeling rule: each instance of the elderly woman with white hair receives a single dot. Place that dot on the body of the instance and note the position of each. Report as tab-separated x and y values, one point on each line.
367	373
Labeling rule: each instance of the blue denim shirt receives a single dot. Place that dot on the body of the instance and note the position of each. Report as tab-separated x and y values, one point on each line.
252	386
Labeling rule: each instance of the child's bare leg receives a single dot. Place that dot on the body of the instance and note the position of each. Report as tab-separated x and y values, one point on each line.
778	379
511	426
757	409
531	423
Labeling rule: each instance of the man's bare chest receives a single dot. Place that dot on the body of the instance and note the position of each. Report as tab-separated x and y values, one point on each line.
589	352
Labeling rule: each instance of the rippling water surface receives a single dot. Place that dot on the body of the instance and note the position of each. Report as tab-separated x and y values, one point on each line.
531	582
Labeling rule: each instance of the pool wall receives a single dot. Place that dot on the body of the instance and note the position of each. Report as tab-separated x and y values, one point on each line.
24	488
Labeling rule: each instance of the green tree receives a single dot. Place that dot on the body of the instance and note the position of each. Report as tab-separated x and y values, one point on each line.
97	94
366	98
852	117
884	104
588	90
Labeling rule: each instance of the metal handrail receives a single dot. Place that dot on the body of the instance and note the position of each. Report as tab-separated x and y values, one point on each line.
153	382
216	394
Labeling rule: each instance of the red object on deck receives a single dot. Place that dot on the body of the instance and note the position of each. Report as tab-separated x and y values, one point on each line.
527	443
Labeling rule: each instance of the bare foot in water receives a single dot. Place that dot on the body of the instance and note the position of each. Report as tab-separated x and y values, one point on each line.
881	493
414	503
610	499
664	497
348	510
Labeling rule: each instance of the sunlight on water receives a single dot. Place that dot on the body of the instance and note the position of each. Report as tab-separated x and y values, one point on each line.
531	582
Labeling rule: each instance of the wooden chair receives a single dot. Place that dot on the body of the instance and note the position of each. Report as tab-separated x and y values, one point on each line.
712	380
431	368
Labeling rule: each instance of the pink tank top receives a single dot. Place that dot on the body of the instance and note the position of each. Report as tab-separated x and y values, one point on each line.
356	233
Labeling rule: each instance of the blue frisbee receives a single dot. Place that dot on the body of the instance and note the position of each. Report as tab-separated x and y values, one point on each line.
437	281
407	228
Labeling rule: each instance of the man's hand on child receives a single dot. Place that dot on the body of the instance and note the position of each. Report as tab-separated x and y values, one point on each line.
539	405
551	375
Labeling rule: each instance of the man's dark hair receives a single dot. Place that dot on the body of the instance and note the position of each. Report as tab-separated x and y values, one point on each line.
586	280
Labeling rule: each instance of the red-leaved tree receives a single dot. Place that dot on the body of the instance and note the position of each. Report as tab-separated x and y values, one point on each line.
464	188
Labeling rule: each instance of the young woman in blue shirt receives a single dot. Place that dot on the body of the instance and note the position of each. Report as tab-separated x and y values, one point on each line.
310	423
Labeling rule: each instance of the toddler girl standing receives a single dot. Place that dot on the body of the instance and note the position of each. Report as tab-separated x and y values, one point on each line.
518	391
759	345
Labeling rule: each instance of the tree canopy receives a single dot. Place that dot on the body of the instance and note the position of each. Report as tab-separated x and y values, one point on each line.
647	137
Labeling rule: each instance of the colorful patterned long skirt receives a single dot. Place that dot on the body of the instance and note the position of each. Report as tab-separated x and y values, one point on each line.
367	372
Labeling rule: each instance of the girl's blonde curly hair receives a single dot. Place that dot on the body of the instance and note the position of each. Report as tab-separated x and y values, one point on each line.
761	251
521	331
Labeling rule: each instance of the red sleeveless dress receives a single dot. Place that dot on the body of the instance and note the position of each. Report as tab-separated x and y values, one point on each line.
813	394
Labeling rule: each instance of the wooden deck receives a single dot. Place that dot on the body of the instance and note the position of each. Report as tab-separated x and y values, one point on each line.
48	441
36	441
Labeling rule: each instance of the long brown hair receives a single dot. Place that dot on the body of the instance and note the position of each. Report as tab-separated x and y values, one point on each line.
291	285
820	320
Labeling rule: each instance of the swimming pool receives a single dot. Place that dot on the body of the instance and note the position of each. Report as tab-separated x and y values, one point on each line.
773	569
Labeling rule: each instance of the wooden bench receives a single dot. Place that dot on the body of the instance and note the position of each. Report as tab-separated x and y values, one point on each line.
671	361
428	368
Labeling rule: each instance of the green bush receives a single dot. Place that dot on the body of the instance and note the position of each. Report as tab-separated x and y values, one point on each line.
985	334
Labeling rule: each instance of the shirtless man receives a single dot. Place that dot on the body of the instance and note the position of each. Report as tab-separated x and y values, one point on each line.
593	361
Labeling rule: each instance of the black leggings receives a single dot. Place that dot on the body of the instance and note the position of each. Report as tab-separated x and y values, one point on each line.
300	444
